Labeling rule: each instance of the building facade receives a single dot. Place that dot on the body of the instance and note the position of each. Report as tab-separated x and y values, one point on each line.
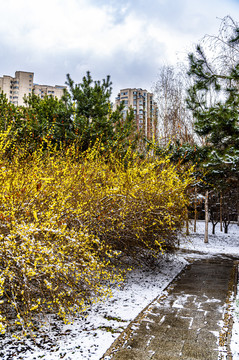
16	88
144	107
43	90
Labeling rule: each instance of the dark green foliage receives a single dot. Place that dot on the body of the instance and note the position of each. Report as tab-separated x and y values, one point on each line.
49	117
83	115
217	120
91	99
94	117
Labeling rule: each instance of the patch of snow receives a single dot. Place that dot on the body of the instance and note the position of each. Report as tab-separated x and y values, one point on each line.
220	243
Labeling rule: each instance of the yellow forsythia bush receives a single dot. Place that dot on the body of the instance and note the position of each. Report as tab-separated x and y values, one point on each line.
65	217
141	205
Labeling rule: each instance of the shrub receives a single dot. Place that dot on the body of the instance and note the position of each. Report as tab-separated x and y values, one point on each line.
139	206
64	219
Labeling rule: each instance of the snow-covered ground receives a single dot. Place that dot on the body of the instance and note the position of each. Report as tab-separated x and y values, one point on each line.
88	338
219	243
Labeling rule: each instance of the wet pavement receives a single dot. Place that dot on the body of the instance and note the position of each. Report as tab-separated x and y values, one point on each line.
192	320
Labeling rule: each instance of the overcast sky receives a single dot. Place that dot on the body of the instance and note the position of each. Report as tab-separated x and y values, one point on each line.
126	39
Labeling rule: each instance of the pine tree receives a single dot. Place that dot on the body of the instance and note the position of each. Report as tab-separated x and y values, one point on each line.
214	101
94	117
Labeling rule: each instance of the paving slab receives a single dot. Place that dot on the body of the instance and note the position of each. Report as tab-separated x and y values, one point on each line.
190	321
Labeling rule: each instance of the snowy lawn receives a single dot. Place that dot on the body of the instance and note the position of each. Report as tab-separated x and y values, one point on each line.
88	338
219	243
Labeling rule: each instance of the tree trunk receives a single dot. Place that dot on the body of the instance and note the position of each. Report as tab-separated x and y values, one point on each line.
206	218
195	211
187	223
226	228
237	206
220	211
213	228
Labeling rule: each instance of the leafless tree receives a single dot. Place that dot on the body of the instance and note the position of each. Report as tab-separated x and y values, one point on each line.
175	120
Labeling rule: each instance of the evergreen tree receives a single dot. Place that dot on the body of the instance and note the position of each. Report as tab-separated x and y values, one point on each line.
214	101
84	115
49	118
93	115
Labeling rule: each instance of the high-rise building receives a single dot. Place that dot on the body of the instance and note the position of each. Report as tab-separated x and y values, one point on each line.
145	110
16	88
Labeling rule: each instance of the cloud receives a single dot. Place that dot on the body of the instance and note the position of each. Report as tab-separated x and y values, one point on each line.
127	39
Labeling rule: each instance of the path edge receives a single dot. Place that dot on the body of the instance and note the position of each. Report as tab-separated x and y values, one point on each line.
126	333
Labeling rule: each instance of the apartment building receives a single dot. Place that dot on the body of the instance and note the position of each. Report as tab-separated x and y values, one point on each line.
16	88
42	90
145	109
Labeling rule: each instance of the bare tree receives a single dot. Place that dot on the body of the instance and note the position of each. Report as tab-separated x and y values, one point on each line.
175	120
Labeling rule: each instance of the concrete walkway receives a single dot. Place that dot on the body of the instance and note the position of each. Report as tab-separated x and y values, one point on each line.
191	321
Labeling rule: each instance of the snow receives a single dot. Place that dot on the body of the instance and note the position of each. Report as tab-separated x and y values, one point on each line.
89	337
220	243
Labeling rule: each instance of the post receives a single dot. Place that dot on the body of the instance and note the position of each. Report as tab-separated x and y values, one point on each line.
220	211
206	218
187	223
195	210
